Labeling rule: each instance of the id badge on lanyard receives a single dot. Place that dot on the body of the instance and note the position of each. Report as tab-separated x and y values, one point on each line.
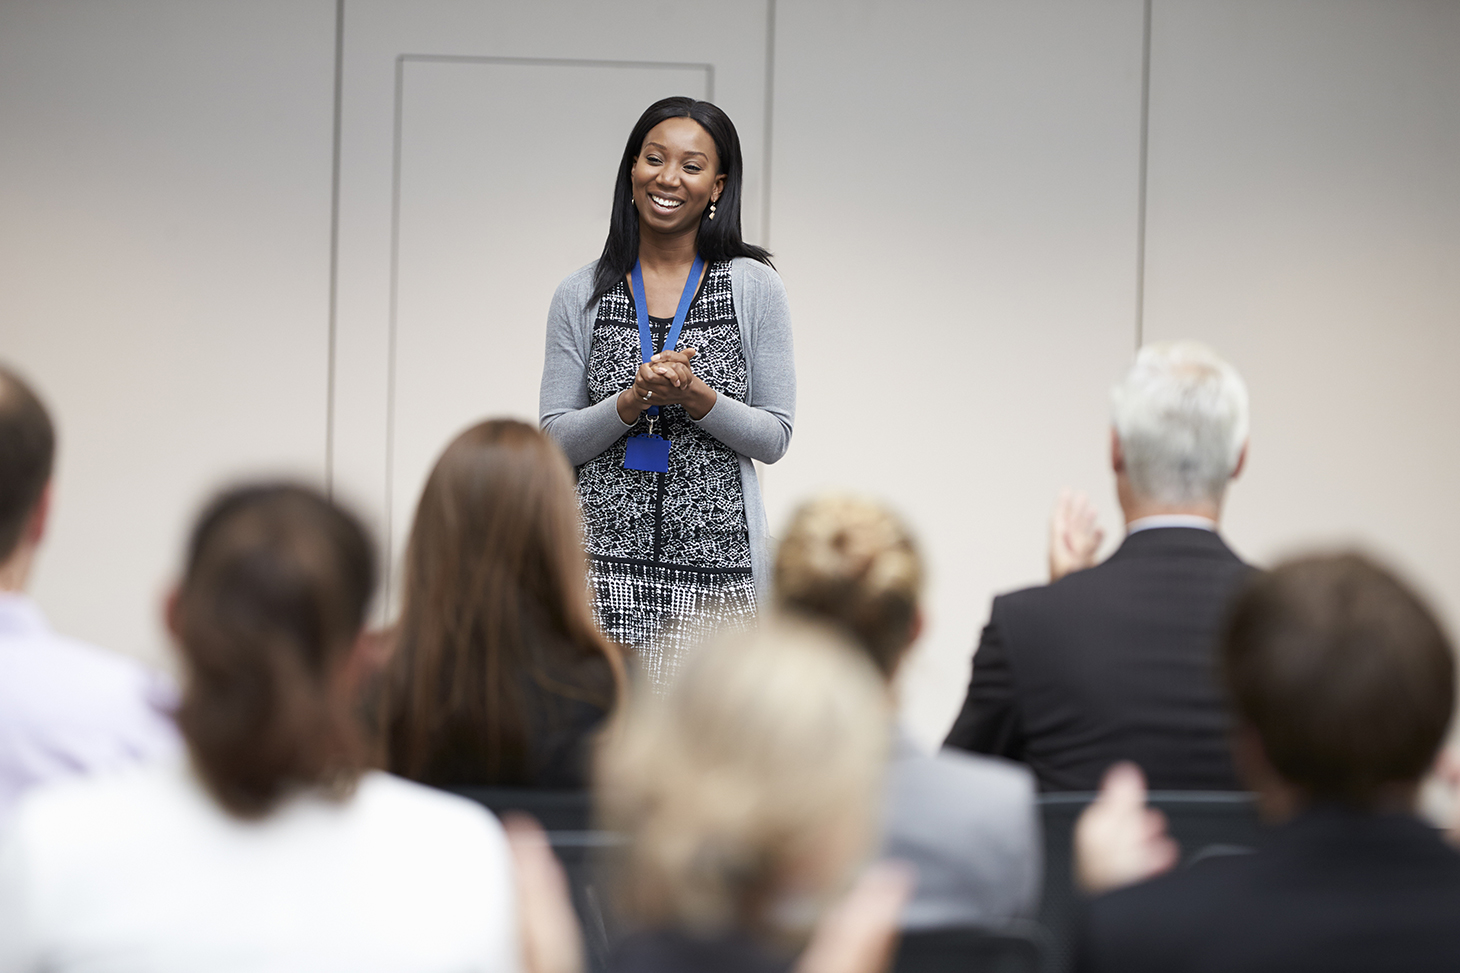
651	453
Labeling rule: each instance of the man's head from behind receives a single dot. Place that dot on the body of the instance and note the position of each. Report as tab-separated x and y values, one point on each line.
27	451
1180	418
1344	677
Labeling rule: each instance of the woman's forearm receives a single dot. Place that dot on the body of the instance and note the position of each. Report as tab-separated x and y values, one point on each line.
629	406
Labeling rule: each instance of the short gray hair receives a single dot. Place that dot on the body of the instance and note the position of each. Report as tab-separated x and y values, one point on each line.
1181	415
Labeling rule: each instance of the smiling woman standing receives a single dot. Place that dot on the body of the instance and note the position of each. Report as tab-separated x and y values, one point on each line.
668	370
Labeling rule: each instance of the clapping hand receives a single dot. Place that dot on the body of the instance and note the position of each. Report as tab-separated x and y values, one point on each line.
1118	840
860	933
1074	537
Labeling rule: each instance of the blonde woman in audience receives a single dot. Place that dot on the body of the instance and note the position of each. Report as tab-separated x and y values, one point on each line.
499	674
272	848
967	823
748	794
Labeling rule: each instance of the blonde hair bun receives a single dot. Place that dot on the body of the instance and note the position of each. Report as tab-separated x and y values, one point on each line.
852	562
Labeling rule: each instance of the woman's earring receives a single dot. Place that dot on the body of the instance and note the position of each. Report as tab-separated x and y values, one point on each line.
712	209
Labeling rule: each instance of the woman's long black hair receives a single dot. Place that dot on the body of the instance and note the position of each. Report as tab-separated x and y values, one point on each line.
719	239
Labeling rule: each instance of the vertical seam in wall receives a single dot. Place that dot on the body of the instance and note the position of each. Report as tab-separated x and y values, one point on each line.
770	100
329	407
1141	198
387	543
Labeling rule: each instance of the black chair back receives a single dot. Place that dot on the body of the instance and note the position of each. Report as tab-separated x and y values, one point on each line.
1018	949
567	817
554	810
1204	824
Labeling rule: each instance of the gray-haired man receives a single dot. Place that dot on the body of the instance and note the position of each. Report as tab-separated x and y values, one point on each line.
1114	661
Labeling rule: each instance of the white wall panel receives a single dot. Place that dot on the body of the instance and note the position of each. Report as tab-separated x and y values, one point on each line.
954	205
164	258
1304	218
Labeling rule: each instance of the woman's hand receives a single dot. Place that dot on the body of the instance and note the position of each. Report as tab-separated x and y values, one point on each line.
552	942
667	379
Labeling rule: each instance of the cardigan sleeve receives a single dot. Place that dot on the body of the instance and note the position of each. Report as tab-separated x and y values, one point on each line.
760	428
581	428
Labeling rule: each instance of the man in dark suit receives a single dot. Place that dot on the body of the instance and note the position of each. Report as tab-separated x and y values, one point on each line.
1343	685
1114	661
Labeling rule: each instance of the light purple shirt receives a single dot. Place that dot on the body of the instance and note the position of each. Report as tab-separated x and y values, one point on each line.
69	708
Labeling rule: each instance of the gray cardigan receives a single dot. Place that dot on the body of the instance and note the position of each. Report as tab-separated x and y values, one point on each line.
759	428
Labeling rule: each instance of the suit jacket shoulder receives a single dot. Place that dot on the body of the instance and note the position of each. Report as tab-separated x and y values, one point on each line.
1113	662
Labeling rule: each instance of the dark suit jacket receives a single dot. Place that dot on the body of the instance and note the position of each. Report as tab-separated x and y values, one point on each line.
1116	662
1332	891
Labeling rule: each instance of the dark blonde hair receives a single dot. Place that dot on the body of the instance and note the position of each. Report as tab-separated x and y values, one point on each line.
765	755
496	600
852	563
275	591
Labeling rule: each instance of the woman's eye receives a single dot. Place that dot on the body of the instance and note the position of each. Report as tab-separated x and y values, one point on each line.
654	160
692	168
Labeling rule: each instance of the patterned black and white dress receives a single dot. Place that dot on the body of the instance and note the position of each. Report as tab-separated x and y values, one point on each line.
669	552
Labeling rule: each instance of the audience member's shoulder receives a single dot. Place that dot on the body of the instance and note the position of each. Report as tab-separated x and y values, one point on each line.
394	801
110	670
1160	918
63	684
127	802
992	776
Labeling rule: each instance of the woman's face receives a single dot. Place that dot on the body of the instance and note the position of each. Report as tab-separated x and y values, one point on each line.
675	176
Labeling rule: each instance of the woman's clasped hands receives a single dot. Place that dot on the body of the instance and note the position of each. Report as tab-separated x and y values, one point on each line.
668	379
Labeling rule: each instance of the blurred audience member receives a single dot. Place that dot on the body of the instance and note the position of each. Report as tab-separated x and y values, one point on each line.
967	823
271	850
499	674
749	795
1116	661
65	707
1343	686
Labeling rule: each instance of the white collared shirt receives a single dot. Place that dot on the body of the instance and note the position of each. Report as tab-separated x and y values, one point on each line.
68	708
1170	520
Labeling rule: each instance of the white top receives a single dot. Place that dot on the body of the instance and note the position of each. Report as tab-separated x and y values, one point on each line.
70	708
1170	520
142	871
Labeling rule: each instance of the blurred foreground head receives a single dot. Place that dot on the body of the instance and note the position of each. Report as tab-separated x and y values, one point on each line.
274	594
749	790
27	452
851	563
1343	676
1181	419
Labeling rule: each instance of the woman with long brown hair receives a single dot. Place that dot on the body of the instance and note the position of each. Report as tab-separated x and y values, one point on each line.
499	675
273	848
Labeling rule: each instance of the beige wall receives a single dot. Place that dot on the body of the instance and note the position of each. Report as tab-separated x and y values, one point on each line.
953	200
164	272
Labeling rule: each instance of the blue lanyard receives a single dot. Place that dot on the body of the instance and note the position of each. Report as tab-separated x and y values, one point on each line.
641	306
